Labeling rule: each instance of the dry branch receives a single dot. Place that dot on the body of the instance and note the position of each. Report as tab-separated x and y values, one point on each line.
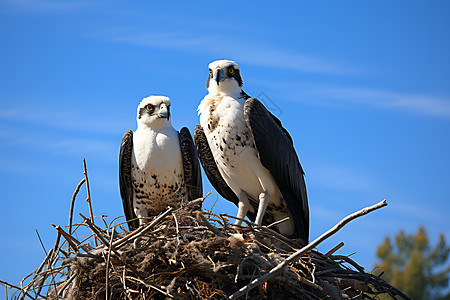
70	239
305	249
72	203
88	190
336	248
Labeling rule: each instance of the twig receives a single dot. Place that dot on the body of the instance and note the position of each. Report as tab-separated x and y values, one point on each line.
91	213
113	220
312	273
275	235
326	271
107	263
274	271
70	239
141	230
249	223
308	282
350	261
38	271
56	269
176	225
151	285
272	232
15	287
66	284
209	193
201	218
72	203
214	204
42	244
336	248
51	259
278	222
102	216
55	254
9	284
105	243
195	202
98	234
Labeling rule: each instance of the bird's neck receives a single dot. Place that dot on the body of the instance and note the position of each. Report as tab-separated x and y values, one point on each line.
216	94
155	127
227	88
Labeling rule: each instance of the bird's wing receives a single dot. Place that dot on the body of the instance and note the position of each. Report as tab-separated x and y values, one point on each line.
191	166
210	167
125	181
277	154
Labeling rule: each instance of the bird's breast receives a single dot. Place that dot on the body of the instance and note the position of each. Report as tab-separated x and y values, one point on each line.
156	150
157	170
225	128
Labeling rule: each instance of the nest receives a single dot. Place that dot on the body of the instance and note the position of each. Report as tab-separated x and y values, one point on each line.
193	254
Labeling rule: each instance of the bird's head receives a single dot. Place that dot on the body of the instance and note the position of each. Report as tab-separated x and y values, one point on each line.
224	77
154	112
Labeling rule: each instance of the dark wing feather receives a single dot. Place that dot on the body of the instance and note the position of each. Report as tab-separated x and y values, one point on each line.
191	166
277	154
210	167
125	181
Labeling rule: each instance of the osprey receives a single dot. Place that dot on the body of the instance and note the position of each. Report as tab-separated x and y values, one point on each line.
248	156
158	167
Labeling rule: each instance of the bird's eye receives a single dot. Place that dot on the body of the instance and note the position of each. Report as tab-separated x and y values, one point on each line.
210	73
150	108
231	71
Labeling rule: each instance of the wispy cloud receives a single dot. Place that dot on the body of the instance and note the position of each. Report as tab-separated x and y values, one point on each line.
270	56
59	131
33	6
413	103
279	58
173	40
242	51
343	96
342	178
60	144
422	213
62	119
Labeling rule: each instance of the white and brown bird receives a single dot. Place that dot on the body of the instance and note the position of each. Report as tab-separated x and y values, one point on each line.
158	166
248	156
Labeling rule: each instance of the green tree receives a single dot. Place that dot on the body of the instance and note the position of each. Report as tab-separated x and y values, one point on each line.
411	265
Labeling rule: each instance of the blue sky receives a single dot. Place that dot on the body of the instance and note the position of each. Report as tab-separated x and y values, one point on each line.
362	86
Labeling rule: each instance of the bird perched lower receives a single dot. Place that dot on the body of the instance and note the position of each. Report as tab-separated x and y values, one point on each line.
158	166
248	156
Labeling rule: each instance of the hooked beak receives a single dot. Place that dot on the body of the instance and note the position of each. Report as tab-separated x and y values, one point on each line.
164	112
219	76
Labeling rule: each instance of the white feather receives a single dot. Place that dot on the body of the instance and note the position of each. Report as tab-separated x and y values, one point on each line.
239	165
157	162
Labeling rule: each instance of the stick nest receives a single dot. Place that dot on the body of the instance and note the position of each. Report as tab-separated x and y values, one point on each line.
192	254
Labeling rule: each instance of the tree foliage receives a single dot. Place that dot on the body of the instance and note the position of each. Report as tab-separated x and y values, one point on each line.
411	265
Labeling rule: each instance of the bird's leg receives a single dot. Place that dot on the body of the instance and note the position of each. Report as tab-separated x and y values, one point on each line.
263	201
243	206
